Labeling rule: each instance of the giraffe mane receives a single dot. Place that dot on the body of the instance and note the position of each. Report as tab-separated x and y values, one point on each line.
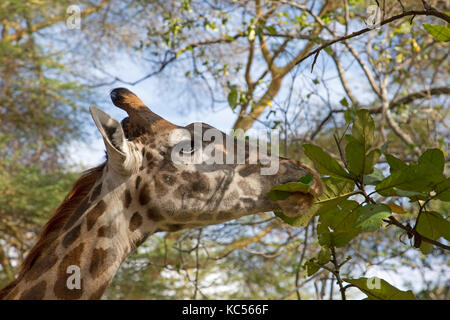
53	227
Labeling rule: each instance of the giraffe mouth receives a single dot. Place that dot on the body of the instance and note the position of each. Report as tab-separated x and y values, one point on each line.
296	204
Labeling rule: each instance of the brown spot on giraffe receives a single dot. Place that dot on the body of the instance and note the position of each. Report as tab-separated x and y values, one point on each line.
248	170
96	192
107	231
154	215
160	187
100	261
135	221
42	265
71	236
138	182
168	166
198	182
144	194
95	213
37	292
60	288
79	211
127	199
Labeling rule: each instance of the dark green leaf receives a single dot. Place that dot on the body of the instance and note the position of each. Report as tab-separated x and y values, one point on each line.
370	217
371	159
442	190
433	226
312	267
355	154
344	102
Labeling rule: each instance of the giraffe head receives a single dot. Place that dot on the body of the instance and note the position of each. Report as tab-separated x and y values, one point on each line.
157	177
181	177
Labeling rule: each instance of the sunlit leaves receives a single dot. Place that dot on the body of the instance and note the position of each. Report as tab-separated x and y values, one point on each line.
439	32
324	162
418	178
337	226
379	289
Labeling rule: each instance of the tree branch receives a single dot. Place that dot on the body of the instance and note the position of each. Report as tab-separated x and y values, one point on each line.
413	233
435	13
426	93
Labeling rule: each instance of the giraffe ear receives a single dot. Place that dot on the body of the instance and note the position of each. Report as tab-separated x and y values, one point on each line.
113	137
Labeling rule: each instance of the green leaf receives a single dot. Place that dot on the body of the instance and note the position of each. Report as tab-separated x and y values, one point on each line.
371	159
363	128
335	191
336	226
275	195
370	217
325	163
271	29
282	191
421	177
395	164
439	32
379	289
311	267
344	102
433	226
324	256
442	190
355	154
233	98
374	178
301	220
302	185
433	160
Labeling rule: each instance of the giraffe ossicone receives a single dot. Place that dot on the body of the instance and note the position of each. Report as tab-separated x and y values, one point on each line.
139	190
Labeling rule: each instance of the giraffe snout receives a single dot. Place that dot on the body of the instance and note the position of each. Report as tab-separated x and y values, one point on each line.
299	202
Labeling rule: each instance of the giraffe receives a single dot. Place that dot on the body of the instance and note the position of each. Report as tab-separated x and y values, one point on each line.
140	190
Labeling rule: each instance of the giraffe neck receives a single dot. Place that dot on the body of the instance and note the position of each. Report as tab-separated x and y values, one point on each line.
82	261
